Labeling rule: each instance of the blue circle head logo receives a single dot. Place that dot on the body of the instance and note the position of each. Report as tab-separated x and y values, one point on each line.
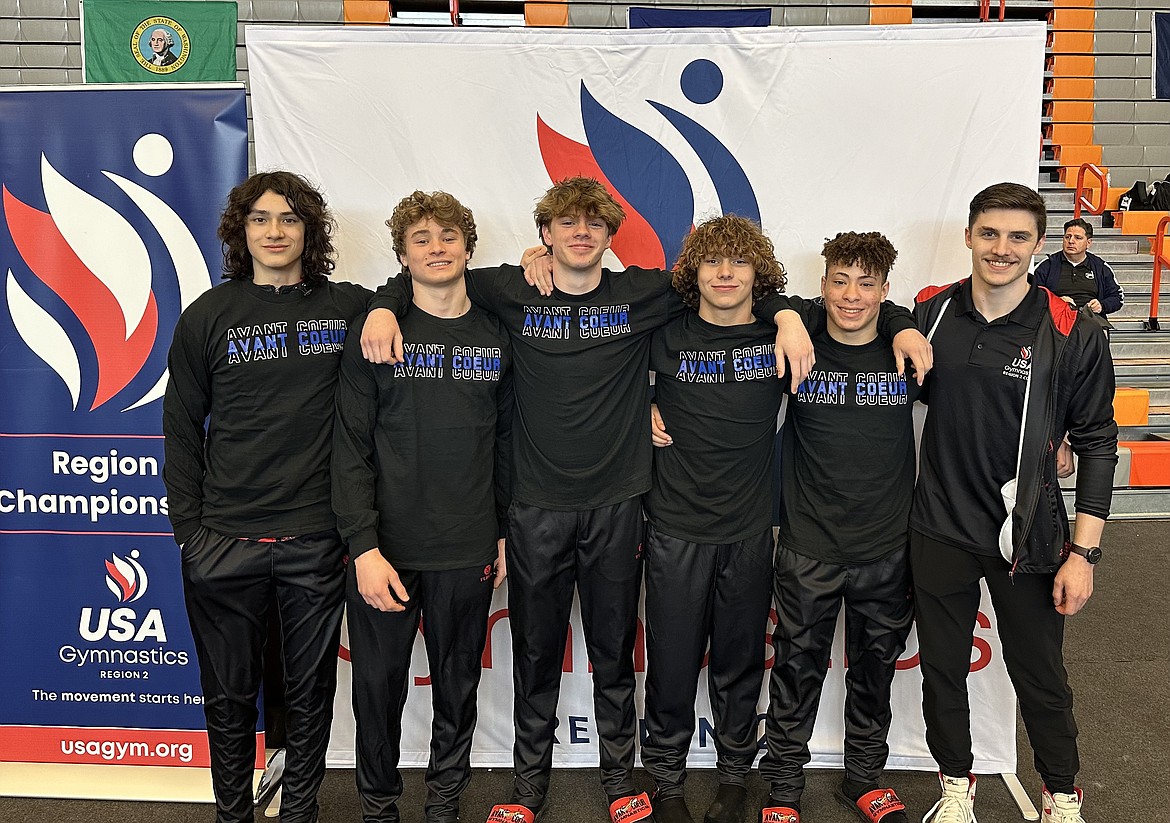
701	81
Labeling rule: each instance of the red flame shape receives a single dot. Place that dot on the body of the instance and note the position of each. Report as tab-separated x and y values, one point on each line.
636	244
128	587
51	259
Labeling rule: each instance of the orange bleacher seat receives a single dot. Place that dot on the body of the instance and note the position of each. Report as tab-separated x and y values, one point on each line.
367	12
890	15
1131	407
1149	462
1073	65
1072	88
1072	134
1072	42
1076	155
546	14
1138	222
1073	19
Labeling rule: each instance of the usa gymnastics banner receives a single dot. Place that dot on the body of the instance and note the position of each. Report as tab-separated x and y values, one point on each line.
110	203
812	131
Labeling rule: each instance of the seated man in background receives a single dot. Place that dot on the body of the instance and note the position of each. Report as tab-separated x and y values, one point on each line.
1079	277
420	486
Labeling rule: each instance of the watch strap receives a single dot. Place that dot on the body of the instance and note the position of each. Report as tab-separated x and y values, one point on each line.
1090	553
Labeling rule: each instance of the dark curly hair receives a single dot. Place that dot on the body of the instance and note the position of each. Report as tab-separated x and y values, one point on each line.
441	207
306	202
725	236
870	250
579	196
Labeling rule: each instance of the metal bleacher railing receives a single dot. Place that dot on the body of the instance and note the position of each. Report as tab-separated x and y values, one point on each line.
1159	246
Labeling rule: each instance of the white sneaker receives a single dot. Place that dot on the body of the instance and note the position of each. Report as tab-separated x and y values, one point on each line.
957	804
1062	808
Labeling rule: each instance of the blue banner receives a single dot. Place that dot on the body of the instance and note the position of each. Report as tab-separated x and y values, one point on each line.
1161	50
655	17
109	203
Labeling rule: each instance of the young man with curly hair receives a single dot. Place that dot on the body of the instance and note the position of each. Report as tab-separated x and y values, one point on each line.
847	475
709	541
248	421
582	463
420	479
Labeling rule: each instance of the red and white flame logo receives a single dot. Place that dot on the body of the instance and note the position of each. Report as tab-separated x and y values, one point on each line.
125	577
93	259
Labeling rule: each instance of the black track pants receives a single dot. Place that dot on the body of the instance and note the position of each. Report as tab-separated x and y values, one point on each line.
549	552
879	611
1031	632
228	584
699	594
454	607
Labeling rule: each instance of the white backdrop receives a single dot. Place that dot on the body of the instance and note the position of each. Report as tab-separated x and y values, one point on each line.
829	128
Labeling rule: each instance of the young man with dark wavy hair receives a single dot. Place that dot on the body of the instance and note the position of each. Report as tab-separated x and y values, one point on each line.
709	540
847	475
421	484
248	421
1017	371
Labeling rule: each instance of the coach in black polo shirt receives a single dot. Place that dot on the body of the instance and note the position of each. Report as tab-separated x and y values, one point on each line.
1009	357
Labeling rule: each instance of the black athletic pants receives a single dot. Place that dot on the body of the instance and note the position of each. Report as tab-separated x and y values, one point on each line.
454	608
879	611
228	585
600	552
1031	633
700	593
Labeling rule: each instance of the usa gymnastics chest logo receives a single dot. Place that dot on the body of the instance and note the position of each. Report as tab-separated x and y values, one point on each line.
1021	365
83	275
642	174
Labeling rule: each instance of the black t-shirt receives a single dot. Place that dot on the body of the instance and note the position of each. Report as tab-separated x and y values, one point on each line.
582	423
582	409
717	390
970	443
847	463
415	470
260	368
1077	282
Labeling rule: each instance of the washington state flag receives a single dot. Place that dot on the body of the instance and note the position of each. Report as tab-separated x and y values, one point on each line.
134	41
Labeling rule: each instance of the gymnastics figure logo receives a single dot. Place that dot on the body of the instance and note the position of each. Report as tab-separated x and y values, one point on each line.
100	268
125	577
644	177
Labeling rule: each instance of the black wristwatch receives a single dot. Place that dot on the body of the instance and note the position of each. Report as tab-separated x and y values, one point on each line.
1092	555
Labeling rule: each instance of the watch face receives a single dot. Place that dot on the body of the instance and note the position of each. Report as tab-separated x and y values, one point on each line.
1093	555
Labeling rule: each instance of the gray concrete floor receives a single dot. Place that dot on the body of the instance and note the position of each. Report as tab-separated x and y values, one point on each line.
1118	656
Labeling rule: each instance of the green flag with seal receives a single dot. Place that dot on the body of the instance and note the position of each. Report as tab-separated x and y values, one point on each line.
133	41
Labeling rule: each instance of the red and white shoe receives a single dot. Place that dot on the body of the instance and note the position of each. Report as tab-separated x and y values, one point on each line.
779	814
1061	808
957	804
